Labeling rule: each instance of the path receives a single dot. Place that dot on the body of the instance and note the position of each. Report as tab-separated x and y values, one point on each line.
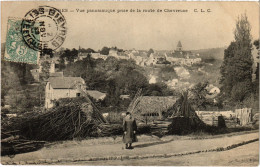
81	152
246	155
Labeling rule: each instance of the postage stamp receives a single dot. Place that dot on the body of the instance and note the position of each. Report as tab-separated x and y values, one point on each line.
52	28
16	49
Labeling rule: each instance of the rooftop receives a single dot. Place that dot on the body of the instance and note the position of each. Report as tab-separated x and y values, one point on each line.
65	82
155	104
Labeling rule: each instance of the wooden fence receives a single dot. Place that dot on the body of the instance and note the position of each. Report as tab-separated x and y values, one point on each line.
238	117
244	116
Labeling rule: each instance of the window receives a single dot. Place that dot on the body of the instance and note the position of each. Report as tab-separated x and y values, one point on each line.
78	94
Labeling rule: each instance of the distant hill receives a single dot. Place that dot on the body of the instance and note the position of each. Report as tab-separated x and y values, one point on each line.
212	53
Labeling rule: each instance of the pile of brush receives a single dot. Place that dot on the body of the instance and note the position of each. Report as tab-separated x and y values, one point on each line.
110	130
117	129
73	120
185	120
12	144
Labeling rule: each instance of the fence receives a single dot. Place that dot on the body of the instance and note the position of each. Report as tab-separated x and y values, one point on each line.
239	116
244	115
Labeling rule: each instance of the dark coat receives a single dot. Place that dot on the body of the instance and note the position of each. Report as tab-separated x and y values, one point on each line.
129	126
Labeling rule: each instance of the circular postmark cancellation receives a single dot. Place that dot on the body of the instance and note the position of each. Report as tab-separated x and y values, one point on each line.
44	28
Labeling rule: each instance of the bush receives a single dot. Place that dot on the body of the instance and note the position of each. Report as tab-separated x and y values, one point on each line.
184	125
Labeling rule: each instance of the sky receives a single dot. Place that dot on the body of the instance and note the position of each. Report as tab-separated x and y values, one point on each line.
145	30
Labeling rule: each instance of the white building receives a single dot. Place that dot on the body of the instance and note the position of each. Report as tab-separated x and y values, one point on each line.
62	87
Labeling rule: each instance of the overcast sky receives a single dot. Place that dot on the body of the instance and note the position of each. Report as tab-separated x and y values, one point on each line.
160	31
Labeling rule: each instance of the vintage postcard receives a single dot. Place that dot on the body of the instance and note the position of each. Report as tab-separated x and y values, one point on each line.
130	83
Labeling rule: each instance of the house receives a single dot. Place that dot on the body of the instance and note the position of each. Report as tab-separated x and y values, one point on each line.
98	96
182	72
81	56
62	87
113	52
172	83
119	55
214	90
98	56
36	74
68	87
151	60
123	97
152	79
139	57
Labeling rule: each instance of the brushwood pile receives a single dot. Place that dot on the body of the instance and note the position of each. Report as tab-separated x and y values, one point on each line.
69	119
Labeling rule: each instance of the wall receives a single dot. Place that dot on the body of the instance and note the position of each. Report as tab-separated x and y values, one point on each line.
55	94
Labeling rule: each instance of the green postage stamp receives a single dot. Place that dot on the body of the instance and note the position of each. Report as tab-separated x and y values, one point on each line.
16	49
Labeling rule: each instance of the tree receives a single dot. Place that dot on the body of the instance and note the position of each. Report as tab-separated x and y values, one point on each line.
150	51
236	69
199	93
240	91
256	82
105	50
45	70
69	55
89	50
45	52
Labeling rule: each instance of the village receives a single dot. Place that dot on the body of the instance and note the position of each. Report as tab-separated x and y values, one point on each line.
157	115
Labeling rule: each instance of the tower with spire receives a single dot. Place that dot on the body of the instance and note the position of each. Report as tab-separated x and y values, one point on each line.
179	46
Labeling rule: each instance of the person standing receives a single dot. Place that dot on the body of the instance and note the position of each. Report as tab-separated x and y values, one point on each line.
129	128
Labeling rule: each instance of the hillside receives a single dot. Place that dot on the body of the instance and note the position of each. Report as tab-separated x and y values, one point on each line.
212	53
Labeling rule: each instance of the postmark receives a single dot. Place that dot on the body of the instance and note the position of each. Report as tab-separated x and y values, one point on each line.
52	28
16	49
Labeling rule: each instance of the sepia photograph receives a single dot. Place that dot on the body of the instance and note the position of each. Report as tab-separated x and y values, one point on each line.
130	83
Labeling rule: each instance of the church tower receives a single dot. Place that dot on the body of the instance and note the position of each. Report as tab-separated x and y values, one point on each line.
179	46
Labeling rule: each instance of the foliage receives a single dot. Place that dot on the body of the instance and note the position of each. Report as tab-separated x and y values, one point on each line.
240	91
69	55
256	82
45	52
15	78
150	51
89	50
236	69
158	89
167	73
45	71
199	93
105	50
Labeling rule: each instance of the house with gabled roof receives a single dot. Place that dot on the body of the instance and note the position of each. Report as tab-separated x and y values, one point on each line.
62	87
68	87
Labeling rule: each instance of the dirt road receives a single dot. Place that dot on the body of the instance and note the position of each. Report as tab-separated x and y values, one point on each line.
246	155
87	154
